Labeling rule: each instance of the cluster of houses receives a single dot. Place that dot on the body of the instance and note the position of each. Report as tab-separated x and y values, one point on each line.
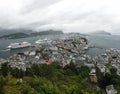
61	50
114	56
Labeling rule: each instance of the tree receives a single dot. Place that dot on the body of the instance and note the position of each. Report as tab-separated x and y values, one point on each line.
83	71
113	70
4	69
71	69
2	84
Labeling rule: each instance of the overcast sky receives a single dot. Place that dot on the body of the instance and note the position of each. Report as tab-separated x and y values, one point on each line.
68	15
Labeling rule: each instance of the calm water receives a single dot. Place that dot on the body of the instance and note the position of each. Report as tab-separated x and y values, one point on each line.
104	42
99	41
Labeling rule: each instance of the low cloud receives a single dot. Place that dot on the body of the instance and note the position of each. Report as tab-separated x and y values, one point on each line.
68	15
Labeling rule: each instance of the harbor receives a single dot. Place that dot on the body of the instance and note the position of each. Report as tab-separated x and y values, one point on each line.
75	48
64	50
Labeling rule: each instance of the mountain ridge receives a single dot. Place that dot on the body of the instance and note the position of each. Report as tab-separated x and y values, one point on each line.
31	34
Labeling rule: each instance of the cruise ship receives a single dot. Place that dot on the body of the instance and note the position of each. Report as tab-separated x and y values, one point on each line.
19	45
42	41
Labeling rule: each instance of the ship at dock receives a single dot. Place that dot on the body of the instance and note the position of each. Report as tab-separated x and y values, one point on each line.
43	41
19	45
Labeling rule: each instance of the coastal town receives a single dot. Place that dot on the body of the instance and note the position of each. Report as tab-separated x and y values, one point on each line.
64	51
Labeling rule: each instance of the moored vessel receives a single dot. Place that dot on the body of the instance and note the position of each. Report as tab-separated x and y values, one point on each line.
19	45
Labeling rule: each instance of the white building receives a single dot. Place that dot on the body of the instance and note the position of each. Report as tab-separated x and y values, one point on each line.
110	90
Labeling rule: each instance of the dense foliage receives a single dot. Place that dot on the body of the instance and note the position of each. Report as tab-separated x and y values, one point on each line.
46	79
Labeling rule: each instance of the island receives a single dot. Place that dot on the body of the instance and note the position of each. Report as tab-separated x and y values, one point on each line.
100	32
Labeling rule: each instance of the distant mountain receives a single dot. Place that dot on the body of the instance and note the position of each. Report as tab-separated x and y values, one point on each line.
102	32
13	31
26	34
47	32
14	36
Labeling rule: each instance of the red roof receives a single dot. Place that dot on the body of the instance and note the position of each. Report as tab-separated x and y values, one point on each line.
48	62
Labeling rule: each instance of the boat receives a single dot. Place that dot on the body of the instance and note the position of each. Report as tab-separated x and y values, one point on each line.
19	45
46	40
42	41
25	44
39	41
86	47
